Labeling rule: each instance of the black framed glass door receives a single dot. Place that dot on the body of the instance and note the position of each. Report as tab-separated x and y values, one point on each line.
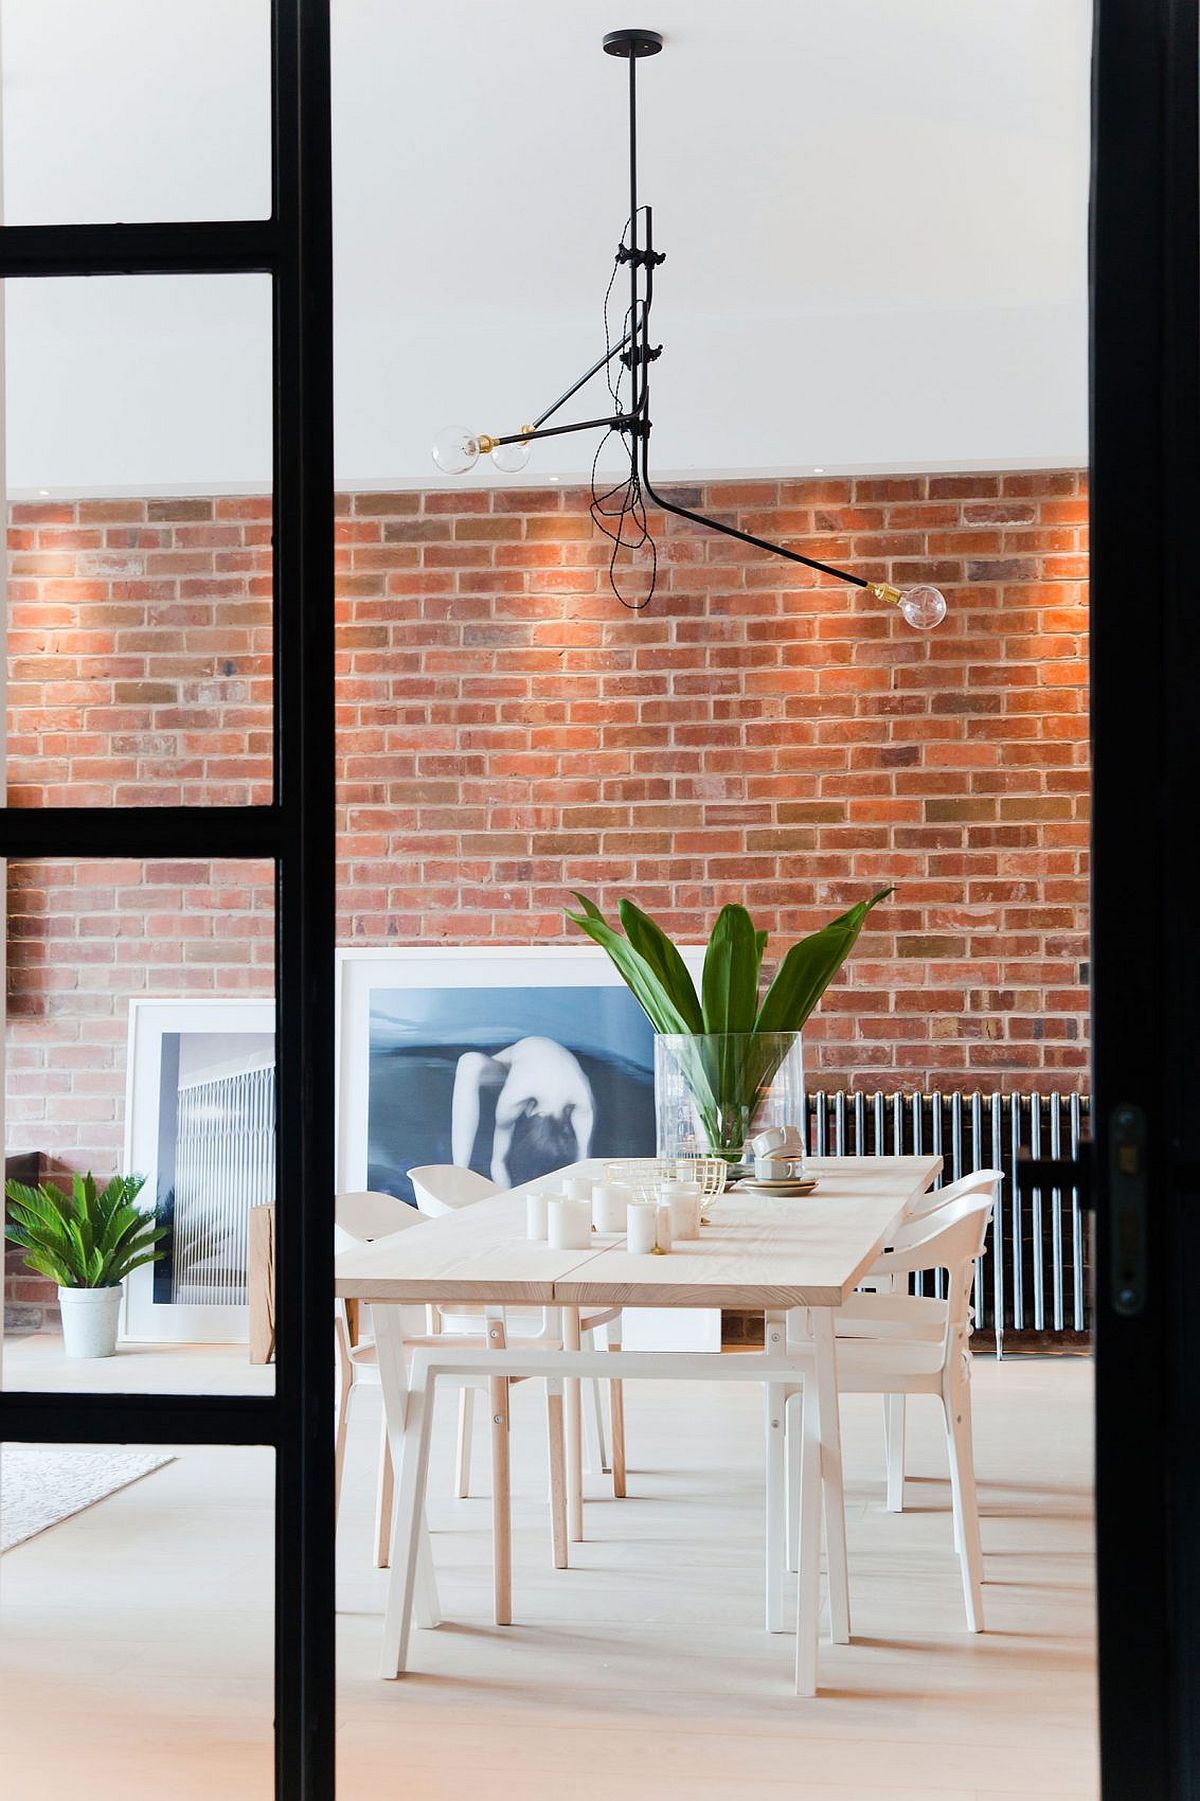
1146	975
295	831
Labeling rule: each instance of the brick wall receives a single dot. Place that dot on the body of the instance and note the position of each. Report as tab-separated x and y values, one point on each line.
508	732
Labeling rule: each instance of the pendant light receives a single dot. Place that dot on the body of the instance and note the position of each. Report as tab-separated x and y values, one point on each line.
619	510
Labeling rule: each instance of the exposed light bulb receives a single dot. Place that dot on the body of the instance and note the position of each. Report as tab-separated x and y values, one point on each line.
456	450
512	458
923	607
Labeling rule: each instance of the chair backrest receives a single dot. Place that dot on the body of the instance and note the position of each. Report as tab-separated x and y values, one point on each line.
360	1216
441	1187
980	1181
951	1239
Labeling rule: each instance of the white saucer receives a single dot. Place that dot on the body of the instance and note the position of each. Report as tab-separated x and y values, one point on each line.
784	1186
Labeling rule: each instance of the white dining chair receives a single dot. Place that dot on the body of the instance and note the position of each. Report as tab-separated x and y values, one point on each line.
890	1342
361	1217
442	1188
925	1206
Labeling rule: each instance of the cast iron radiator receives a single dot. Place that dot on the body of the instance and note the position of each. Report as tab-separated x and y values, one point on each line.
1033	1282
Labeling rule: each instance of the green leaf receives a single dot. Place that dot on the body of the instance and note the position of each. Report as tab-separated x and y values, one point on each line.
730	982
655	948
589	906
87	1238
648	991
808	969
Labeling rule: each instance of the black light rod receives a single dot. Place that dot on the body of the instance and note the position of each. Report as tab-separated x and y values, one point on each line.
713	525
585	377
637	373
731	531
618	422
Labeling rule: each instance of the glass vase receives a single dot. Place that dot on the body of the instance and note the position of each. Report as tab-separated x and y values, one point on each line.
714	1091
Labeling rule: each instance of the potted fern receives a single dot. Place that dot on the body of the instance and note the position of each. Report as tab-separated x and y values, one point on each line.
725	1064
87	1241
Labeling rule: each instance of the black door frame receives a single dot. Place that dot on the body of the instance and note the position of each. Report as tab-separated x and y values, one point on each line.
293	246
1146	963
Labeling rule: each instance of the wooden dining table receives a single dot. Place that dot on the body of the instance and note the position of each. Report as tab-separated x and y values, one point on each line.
795	1261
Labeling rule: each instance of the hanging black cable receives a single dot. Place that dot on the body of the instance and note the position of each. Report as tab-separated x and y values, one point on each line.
620	511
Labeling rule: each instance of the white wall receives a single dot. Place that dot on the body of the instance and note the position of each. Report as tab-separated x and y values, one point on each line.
874	214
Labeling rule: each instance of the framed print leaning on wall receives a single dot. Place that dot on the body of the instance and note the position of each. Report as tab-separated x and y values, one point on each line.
200	1127
509	1060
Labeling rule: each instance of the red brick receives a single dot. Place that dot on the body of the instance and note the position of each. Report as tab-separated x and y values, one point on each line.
760	733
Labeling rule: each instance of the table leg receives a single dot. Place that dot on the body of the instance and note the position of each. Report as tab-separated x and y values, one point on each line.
831	1473
808	1588
616	1408
501	1476
574	1432
558	1470
776	1520
409	1420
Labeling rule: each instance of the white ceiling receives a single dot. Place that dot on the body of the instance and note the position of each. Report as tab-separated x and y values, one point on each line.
874	214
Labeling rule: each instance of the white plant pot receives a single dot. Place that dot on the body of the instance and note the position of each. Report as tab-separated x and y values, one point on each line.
89	1320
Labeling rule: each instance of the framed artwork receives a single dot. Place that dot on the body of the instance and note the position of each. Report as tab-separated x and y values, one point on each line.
509	1060
200	1127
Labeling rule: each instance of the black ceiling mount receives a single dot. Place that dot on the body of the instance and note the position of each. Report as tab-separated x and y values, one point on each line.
632	43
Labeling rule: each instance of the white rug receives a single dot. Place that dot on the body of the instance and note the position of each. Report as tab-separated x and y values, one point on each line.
41	1484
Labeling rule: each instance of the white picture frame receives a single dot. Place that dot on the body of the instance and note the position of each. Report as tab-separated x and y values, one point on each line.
174	1045
397	988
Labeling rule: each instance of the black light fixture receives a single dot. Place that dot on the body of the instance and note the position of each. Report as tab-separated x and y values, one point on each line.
620	509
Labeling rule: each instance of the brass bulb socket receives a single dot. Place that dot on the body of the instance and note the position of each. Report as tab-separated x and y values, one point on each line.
486	444
885	592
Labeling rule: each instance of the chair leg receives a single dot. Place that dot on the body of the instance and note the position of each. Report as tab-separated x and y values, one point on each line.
893	1432
385	1488
966	1504
594	1434
794	1441
574	1436
466	1419
616	1407
345	1390
556	1446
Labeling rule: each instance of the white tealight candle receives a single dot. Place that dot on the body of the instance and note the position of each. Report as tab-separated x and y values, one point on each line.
683	1200
610	1203
641	1228
577	1188
535	1215
569	1223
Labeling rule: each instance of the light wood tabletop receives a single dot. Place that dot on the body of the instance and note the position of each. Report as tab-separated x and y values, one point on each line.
757	1252
763	1253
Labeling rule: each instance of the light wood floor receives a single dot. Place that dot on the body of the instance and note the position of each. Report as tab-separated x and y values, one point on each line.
136	1645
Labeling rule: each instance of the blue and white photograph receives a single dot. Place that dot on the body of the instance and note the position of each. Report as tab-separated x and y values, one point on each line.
511	1082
